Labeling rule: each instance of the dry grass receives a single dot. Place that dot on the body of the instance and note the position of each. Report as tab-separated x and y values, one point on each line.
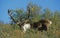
7	31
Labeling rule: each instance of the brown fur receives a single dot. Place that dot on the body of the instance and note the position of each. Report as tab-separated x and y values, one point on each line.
41	24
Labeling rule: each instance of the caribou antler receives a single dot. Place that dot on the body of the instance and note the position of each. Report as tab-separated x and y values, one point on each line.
9	13
15	21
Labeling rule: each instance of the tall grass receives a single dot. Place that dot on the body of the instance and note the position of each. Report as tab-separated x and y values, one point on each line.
13	31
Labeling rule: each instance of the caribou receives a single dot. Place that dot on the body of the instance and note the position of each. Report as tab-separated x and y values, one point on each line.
41	25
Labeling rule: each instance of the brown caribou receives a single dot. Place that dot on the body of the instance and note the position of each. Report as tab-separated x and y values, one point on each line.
41	25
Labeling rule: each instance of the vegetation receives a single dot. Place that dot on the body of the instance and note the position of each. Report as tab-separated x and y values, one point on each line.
34	13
